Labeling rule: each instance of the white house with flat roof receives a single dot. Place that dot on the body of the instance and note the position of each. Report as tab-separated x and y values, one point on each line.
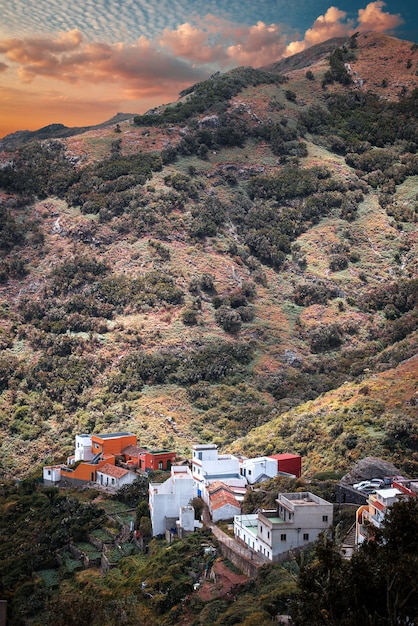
258	469
167	498
83	448
209	466
298	520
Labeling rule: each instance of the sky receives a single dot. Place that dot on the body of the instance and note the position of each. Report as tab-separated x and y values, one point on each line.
79	63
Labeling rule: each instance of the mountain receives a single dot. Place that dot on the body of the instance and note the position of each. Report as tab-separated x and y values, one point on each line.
55	131
237	267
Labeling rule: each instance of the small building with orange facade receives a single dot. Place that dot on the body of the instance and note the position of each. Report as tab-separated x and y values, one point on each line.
91	453
146	460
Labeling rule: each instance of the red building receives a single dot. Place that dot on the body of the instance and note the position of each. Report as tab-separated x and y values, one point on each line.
289	463
146	460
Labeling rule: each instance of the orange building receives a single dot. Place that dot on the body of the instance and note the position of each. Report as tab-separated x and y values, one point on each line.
146	460
98	450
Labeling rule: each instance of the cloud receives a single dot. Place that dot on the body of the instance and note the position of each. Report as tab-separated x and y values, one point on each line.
194	43
70	59
334	24
373	18
226	43
258	45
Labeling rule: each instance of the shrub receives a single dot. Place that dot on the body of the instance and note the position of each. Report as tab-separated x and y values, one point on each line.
189	317
338	262
325	337
228	319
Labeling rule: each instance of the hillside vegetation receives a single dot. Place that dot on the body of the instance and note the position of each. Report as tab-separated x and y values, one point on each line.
238	267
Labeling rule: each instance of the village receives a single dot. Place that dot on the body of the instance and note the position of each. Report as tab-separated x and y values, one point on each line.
113	460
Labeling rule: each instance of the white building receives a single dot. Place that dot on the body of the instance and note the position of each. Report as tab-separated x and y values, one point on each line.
114	477
258	469
167	498
208	466
298	520
83	448
52	474
223	503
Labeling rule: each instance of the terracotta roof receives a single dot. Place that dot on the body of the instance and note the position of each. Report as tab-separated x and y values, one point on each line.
131	450
216	485
284	455
220	495
223	498
113	470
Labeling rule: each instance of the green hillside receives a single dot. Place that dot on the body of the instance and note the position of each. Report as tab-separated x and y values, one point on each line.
198	272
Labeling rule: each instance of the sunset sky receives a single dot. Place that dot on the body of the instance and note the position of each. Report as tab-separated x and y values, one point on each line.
79	63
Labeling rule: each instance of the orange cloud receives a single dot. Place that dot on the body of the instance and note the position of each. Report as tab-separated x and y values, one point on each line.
328	26
258	45
333	24
190	42
226	43
69	59
373	18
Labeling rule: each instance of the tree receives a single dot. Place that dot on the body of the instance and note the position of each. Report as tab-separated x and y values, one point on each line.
378	586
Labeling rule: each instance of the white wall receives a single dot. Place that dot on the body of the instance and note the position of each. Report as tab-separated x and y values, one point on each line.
83	449
227	511
110	481
52	473
299	520
165	499
252	469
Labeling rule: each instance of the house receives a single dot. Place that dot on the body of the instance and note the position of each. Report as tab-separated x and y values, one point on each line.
114	477
52	475
90	454
146	460
208	466
288	463
378	503
258	469
166	499
296	522
222	503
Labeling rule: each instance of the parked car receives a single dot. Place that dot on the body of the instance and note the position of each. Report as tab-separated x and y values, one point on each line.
377	482
362	485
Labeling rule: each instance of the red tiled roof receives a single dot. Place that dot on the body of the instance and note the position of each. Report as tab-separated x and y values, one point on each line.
220	495
215	485
131	450
284	455
113	470
221	499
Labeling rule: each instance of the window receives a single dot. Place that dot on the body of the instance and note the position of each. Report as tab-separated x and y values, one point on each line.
305	536
49	472
113	481
160	465
325	518
268	534
261	529
249	472
200	456
283	537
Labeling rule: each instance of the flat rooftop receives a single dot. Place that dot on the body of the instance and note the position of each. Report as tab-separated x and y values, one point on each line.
113	435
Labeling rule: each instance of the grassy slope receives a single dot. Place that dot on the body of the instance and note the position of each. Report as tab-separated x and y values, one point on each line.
279	324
